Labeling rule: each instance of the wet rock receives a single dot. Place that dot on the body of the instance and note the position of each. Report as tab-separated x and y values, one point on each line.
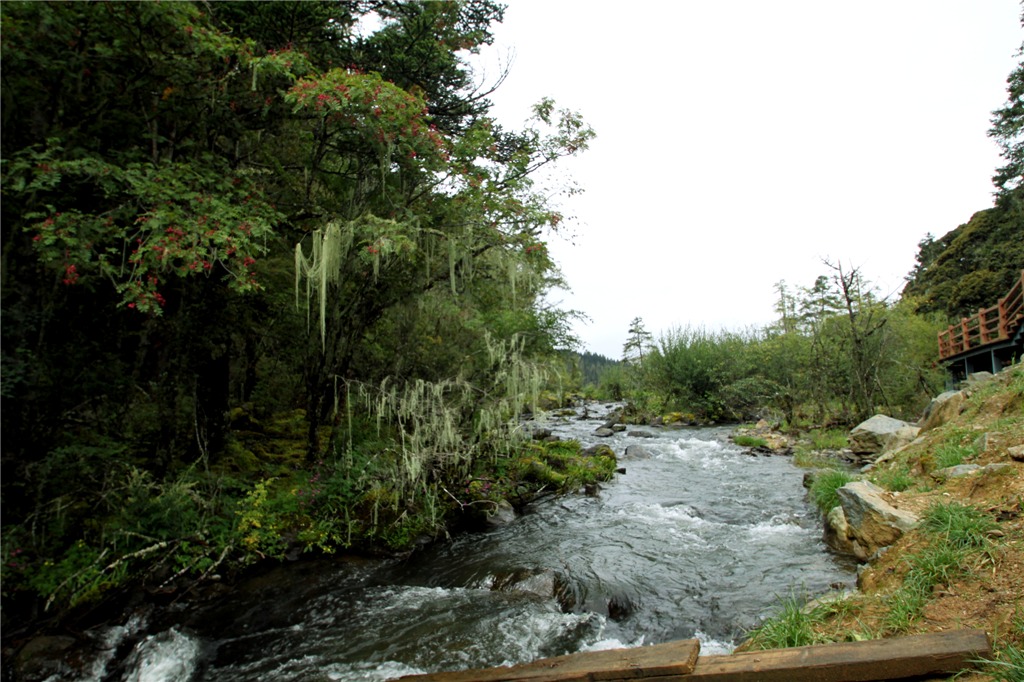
620	607
540	433
599	450
640	434
592	489
637	452
43	658
502	514
873	522
604	432
541	583
810	476
618	428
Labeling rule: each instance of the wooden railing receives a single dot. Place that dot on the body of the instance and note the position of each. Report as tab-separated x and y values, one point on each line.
989	325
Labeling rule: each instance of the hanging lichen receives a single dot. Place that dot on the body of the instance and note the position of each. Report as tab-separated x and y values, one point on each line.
333	258
445	423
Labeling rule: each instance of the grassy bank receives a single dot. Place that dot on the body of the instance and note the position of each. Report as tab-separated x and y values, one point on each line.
963	566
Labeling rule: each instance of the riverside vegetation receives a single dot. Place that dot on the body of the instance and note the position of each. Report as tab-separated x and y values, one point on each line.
962	567
274	284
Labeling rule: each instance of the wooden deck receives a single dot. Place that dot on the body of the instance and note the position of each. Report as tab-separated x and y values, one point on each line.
931	654
988	326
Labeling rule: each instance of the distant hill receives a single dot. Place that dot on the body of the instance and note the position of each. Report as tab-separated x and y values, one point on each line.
591	366
970	267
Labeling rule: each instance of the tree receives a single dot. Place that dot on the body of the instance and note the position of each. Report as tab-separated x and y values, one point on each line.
1008	131
970	267
637	341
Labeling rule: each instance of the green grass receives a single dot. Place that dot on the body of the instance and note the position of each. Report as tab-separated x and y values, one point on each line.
826	483
951	455
750	442
1009	667
828	439
1008	663
960	526
904	608
794	625
896	479
959	535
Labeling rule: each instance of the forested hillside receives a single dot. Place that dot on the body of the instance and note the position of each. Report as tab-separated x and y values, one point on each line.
271	276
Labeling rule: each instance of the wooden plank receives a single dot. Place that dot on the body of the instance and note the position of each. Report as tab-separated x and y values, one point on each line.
883	659
676	659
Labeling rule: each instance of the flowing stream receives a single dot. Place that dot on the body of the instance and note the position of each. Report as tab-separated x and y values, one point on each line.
697	539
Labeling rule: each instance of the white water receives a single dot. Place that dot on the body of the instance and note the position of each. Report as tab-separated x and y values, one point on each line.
698	540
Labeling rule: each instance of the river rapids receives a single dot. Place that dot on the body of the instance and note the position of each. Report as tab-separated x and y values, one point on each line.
698	538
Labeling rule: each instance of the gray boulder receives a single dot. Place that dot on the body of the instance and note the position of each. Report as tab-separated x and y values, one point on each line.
872	523
941	409
881	433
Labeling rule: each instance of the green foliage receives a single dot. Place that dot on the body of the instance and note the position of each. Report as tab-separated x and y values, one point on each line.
837	355
970	267
826	483
1007	123
750	441
793	626
896	479
959	526
162	164
905	606
958	536
827	439
593	367
951	454
1009	666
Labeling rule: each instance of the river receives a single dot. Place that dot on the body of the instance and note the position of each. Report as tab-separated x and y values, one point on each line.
698	538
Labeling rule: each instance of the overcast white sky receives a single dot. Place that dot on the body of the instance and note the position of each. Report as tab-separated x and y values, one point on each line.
740	142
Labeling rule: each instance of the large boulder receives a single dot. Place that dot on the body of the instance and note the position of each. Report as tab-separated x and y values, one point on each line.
870	521
941	409
881	433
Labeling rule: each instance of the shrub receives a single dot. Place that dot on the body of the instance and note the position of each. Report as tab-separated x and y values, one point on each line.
750	441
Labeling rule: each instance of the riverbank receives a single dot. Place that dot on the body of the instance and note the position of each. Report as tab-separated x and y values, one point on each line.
962	564
693	539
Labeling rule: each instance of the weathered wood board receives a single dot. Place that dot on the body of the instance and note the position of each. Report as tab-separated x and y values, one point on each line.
937	653
675	659
882	659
